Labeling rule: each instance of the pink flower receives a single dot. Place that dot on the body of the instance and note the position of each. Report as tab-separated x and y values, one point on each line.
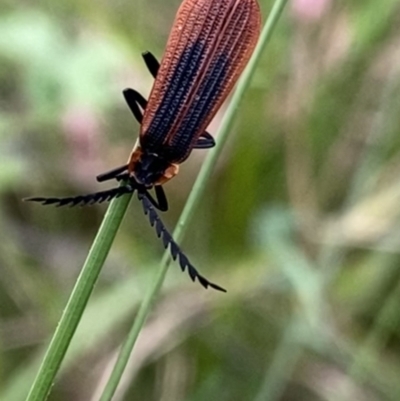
82	133
309	10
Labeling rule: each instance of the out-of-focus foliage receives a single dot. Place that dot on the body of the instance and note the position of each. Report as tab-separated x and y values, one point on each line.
300	223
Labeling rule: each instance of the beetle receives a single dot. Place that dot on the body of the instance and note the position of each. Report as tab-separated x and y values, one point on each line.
210	43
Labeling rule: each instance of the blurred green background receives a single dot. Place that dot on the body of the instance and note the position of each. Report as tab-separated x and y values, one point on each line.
301	222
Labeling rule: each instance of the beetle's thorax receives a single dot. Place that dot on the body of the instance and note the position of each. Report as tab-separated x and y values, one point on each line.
150	169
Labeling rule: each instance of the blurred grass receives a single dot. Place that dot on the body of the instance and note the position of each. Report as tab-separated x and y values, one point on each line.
301	221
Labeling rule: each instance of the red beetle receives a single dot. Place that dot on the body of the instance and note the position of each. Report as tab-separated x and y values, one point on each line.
210	43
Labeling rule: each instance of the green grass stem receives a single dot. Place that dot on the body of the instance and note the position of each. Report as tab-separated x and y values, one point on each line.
78	300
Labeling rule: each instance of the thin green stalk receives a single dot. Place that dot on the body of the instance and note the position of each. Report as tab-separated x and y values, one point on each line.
332	255
192	202
284	361
77	302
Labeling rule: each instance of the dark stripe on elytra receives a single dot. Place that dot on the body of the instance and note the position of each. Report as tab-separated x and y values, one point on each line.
208	93
176	146
181	82
175	94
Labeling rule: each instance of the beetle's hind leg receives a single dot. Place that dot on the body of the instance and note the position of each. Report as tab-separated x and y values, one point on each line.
136	103
205	141
152	63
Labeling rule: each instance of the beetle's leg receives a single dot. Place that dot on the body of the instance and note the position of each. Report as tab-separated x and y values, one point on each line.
205	141
152	63
114	173
136	103
161	198
160	202
207	135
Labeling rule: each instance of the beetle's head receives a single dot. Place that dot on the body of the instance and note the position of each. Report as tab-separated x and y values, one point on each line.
149	169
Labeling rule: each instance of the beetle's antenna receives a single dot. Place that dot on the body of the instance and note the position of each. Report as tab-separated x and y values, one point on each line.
167	240
82	200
